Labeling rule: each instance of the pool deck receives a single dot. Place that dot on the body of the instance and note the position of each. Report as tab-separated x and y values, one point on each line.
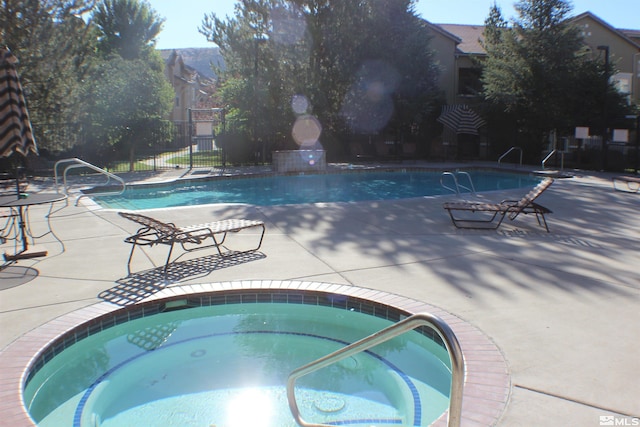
563	307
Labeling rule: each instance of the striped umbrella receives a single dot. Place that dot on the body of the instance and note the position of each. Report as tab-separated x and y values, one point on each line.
16	134
461	119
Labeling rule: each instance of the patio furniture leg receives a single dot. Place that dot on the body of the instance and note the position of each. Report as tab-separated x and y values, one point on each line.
490	224
133	247
166	264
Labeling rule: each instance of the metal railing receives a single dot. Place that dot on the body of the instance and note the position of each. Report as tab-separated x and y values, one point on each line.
471	189
509	151
544	161
455	190
406	325
75	163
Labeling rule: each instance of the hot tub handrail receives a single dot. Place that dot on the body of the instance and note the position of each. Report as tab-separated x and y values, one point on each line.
406	325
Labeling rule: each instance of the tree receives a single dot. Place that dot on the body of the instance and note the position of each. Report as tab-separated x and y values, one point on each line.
128	27
260	67
130	101
130	96
55	47
360	67
533	69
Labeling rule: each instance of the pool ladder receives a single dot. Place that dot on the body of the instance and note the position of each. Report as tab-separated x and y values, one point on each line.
456	182
386	334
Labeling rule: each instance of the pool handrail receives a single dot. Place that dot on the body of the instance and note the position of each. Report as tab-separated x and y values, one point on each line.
509	151
455	190
471	189
551	154
399	328
78	163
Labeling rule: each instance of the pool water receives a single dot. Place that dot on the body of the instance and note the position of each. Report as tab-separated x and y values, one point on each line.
227	366
311	188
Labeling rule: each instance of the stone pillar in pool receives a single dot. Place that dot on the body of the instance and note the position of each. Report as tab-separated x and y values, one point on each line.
299	160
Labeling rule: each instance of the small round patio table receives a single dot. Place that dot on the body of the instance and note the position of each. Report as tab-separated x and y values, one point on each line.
19	205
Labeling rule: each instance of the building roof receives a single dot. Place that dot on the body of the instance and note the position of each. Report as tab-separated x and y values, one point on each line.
624	34
470	37
632	34
437	28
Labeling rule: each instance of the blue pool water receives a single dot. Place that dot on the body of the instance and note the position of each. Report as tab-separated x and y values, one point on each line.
227	365
297	189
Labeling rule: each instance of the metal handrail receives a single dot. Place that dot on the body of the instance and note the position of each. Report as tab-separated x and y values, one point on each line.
509	151
78	163
406	325
544	161
455	181
471	188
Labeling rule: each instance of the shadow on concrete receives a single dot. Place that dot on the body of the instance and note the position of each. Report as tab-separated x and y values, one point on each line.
589	227
14	275
138	286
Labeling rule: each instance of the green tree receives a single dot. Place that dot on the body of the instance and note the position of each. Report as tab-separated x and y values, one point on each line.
131	101
536	71
130	95
361	67
55	47
127	27
257	83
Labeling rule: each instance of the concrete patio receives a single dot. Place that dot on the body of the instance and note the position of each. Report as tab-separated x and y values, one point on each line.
563	307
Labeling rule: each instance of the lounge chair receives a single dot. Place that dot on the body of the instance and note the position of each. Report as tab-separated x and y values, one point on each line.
633	183
154	232
496	212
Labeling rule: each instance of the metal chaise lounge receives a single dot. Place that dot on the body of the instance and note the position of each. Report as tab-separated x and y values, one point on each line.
496	212
191	238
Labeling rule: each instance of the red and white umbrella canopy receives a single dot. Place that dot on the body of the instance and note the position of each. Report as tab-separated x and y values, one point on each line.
16	134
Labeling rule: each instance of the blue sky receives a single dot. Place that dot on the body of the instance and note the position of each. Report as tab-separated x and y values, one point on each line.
183	17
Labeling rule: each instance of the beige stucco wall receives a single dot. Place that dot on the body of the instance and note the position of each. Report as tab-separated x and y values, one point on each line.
623	54
445	54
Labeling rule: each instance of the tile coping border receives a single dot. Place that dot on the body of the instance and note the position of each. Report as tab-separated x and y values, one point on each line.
487	385
331	171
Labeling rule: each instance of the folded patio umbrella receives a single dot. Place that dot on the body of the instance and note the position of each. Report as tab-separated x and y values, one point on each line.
461	119
16	134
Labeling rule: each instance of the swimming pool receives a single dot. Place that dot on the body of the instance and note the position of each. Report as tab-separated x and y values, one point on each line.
271	190
226	363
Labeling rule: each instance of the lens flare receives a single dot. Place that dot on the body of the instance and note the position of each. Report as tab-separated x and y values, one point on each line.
368	105
299	104
306	131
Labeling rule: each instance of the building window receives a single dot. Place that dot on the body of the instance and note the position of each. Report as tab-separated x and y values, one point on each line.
469	81
623	84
